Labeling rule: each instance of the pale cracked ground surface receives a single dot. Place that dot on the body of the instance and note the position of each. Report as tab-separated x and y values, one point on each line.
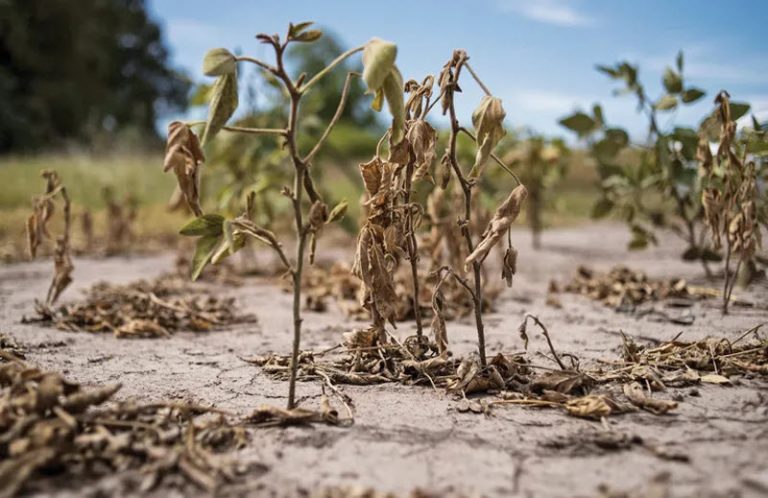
412	437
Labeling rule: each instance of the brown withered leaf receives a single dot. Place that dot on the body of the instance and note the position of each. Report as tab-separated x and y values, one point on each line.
637	396
509	265
595	406
565	382
488	120
184	155
268	415
153	308
502	219
422	138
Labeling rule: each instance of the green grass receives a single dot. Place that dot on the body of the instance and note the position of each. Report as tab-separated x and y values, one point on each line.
85	177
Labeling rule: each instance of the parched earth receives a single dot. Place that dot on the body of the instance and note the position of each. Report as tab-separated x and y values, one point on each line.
407	438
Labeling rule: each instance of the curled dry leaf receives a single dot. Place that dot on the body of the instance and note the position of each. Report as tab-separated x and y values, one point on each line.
267	415
638	397
502	219
488	120
184	155
422	138
509	266
595	406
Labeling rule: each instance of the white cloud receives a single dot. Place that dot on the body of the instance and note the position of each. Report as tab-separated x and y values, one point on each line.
557	12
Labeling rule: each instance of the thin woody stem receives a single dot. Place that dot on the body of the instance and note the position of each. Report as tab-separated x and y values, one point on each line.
412	244
259	63
338	60
335	119
493	156
244	129
466	187
477	79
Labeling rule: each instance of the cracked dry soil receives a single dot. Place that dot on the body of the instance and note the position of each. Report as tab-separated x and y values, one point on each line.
407	437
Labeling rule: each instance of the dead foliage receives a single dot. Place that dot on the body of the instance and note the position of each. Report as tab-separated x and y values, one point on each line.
337	284
52	426
146	308
37	230
611	387
121	216
623	287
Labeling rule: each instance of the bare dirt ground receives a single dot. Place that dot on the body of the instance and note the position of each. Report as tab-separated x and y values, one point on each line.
406	437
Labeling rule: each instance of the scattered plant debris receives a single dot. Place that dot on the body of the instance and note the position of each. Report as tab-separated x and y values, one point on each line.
622	288
146	308
50	425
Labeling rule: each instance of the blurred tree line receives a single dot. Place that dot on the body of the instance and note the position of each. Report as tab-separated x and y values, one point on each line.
77	70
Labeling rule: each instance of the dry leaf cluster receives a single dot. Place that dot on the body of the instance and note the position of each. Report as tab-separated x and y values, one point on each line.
622	286
146	308
50	425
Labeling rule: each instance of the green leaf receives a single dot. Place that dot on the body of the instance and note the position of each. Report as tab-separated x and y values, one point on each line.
666	103
338	212
393	94
738	109
602	208
296	29
613	73
206	247
692	95
597	112
672	81
580	123
200	95
378	61
218	62
223	105
618	136
205	226
309	36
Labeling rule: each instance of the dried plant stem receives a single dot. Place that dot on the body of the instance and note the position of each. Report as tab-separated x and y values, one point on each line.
412	245
549	340
337	115
477	79
466	188
338	60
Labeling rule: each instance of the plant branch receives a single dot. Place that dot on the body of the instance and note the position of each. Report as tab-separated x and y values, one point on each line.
493	156
477	79
549	340
338	60
259	63
335	119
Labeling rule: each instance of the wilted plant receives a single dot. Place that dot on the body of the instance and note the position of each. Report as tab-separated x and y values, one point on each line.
488	123
539	164
120	219
637	179
219	236
729	196
37	230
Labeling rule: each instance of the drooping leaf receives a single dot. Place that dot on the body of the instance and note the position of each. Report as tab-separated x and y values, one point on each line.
378	61
393	94
488	120
338	212
204	251
218	62
223	104
204	226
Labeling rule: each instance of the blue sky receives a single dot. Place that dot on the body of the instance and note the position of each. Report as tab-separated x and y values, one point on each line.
537	55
